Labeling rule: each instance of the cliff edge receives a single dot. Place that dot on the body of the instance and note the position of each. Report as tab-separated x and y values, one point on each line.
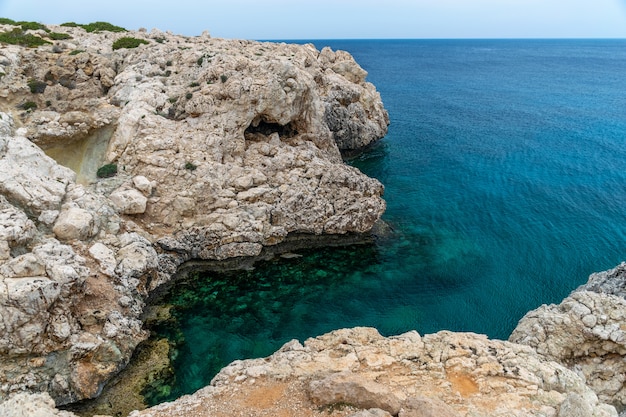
124	155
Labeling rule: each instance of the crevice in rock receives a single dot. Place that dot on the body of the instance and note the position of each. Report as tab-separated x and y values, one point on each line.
83	156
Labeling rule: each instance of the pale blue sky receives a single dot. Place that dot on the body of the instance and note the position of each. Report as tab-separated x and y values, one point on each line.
328	19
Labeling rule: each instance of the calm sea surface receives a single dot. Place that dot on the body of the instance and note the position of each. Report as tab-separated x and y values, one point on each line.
505	176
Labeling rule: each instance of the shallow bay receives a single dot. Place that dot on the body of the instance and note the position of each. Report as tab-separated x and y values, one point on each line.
505	184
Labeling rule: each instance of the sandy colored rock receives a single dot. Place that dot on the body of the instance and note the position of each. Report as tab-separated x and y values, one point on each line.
456	374
372	412
426	407
74	224
28	405
350	388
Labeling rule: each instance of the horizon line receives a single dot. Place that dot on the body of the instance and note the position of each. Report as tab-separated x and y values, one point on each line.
429	39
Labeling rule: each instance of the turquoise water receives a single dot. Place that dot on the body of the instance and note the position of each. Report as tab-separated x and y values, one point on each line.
505	180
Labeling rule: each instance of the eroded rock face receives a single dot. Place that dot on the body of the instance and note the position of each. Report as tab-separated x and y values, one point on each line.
222	148
586	332
443	374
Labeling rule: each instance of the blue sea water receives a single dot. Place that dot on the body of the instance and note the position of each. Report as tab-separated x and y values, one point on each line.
505	176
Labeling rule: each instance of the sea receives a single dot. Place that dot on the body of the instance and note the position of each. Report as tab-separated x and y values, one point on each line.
505	178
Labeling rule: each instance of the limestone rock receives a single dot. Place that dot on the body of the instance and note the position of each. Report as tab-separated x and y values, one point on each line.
586	333
29	178
31	405
129	201
372	412
350	388
74	224
105	257
444	374
143	184
15	227
426	407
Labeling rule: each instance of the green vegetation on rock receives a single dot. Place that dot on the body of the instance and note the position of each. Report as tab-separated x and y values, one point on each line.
128	42
18	37
29	105
36	86
33	26
96	27
56	36
107	171
7	21
190	166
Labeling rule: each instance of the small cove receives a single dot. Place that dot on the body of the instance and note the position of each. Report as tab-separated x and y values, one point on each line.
505	187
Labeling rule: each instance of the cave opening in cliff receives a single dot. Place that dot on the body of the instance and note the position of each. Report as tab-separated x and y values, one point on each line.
265	128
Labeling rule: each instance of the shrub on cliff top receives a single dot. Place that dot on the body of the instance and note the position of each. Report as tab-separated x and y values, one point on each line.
99	26
33	26
95	27
18	37
56	36
106	171
6	21
128	42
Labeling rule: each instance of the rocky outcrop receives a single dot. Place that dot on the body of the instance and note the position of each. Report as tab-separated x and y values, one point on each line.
31	405
357	372
585	332
222	148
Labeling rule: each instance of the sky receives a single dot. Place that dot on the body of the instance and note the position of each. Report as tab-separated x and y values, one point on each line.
341	19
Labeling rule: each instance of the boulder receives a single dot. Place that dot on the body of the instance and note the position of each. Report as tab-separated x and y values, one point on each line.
130	201
74	223
351	388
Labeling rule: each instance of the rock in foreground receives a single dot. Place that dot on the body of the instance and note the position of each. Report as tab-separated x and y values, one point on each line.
357	372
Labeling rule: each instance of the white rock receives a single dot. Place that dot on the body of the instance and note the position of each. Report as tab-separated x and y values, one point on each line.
27	265
74	224
143	184
105	257
129	201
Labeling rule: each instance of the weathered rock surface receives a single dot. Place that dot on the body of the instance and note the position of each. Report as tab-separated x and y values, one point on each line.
31	405
222	148
358	372
586	332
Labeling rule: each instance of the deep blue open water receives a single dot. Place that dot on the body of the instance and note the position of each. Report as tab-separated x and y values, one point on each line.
505	176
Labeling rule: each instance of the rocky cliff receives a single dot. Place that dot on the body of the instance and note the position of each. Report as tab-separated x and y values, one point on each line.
210	149
225	150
